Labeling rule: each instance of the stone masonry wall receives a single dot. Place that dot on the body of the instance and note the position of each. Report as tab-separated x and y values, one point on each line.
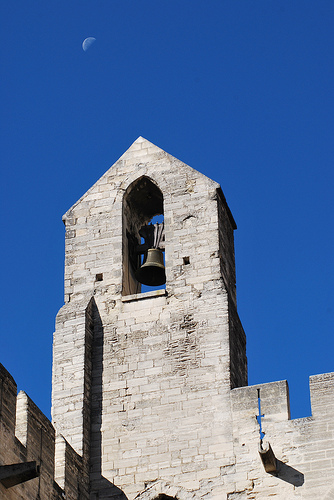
27	435
304	447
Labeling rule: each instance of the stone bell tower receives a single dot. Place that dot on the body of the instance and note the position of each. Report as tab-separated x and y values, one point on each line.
142	377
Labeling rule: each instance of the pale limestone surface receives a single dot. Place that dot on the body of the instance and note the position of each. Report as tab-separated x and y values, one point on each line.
150	397
162	366
160	371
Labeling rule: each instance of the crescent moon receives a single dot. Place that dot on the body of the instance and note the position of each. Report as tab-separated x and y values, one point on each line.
88	42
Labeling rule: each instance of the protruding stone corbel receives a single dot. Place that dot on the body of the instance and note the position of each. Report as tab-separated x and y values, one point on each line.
268	457
13	474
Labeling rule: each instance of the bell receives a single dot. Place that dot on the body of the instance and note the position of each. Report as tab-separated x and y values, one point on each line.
152	272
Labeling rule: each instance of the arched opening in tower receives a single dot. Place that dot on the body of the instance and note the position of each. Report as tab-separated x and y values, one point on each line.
143	237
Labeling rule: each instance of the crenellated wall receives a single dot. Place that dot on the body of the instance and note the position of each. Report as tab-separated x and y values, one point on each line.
304	450
26	435
304	447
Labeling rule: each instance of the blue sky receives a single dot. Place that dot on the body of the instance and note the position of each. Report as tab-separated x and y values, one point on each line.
240	90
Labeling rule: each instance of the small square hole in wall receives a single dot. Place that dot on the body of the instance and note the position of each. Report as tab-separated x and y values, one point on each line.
186	261
99	277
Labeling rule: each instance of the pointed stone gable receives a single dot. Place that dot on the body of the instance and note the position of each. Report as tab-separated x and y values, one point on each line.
137	159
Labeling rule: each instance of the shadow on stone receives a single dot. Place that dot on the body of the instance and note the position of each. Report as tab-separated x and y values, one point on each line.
289	474
108	491
100	487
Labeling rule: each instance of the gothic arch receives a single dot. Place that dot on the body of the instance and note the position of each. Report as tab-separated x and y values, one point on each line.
161	490
142	200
